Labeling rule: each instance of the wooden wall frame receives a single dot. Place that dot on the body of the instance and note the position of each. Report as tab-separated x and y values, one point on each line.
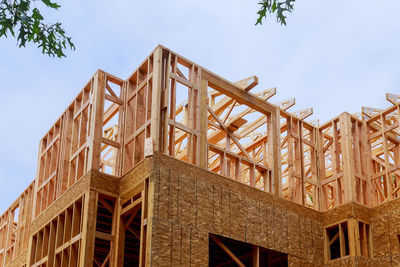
173	106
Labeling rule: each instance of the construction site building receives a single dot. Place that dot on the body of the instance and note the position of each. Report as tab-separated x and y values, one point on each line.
176	166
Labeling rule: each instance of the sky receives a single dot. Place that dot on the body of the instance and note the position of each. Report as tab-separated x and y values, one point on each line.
333	56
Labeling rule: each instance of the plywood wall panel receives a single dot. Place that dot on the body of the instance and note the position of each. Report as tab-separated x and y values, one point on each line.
294	234
380	237
318	254
173	196
253	223
263	225
206	204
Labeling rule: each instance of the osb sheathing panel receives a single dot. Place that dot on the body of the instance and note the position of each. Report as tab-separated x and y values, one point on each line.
395	259
362	212
385	226
385	229
104	183
190	203
19	261
190	170
346	211
94	179
356	261
386	207
129	182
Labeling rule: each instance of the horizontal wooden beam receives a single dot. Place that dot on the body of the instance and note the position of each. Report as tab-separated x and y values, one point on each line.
237	93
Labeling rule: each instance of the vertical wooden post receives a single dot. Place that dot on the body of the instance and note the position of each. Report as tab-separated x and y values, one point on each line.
238	170
89	228
367	156
274	130
121	131
314	168
291	150
165	99
252	177
119	234
354	237
36	184
156	100
321	175
342	241
9	226
358	163
203	157
369	236
300	164
256	256
348	158
364	244
150	201
327	252
65	147
143	228
96	123
337	188
51	253
388	178
266	181
146	222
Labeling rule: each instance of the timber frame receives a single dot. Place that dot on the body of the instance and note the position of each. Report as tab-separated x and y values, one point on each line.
95	185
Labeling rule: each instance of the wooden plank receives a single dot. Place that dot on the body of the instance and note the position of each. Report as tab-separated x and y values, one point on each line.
113	99
256	256
150	210
96	121
238	94
327	254
130	206
354	238
119	243
104	236
203	156
342	241
88	228
143	228
156	99
347	158
248	83
275	144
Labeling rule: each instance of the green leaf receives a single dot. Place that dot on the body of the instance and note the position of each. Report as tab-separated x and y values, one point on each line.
18	17
274	6
22	36
35	27
51	4
279	8
261	14
36	14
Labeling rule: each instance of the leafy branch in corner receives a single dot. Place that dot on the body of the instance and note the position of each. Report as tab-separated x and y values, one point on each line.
275	6
21	18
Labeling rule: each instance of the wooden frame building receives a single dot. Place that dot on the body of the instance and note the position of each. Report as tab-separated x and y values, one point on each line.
176	166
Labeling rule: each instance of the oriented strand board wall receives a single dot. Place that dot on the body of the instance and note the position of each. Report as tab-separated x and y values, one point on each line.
385	231
355	261
190	203
347	211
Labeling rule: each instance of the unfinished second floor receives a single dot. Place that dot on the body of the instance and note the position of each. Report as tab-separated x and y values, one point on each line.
176	107
173	106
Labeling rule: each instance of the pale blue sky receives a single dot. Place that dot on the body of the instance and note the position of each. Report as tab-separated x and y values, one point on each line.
333	56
